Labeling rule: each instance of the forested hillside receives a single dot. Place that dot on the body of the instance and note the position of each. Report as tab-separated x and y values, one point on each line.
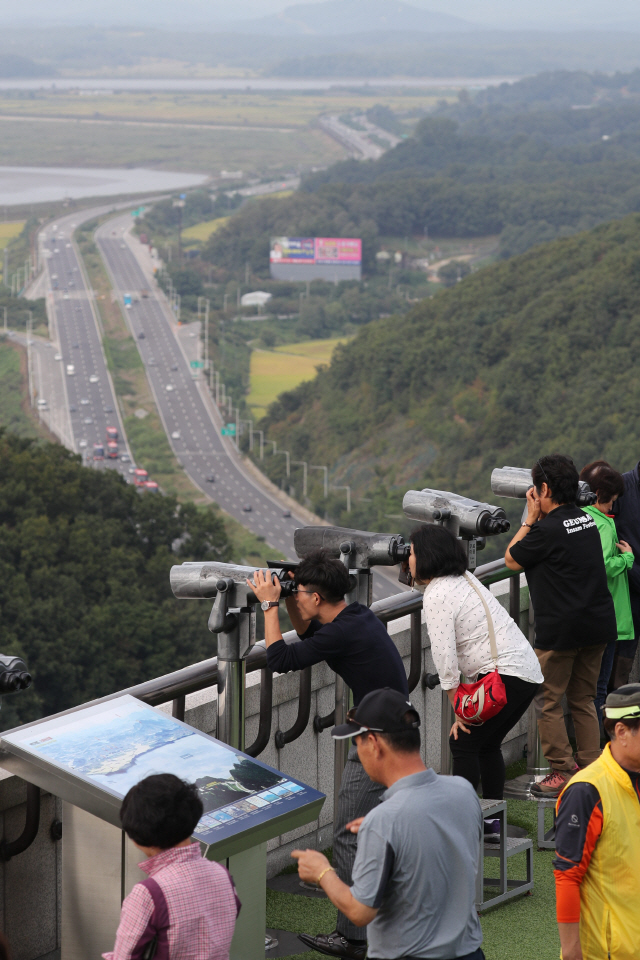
536	354
532	161
84	578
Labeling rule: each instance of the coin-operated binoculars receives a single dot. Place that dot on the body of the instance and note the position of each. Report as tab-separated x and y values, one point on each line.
14	674
359	550
469	520
514	482
233	619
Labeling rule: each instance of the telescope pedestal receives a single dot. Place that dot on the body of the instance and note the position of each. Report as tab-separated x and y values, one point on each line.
249	872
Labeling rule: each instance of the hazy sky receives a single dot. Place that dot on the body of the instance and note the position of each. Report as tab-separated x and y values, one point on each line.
549	14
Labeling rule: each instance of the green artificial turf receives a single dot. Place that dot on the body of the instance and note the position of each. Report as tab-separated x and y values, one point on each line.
523	929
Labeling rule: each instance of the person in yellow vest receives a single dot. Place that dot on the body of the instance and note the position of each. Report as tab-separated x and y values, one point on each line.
597	863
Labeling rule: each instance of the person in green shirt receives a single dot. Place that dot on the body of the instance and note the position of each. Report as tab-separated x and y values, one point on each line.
608	485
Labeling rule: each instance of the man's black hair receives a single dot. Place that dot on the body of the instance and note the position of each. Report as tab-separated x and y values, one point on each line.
161	811
438	553
324	575
560	475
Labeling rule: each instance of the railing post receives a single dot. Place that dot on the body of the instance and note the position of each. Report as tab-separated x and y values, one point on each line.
415	668
446	722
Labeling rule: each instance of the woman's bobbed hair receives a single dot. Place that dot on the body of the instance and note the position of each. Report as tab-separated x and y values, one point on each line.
438	553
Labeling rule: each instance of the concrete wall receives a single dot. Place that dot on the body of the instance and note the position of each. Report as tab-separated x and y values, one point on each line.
30	888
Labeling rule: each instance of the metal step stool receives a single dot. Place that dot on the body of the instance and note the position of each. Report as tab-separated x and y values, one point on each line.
508	847
546	839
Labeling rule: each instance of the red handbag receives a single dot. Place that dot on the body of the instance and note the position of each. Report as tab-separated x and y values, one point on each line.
475	703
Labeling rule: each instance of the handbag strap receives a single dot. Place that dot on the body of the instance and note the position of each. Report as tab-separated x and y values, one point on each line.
492	633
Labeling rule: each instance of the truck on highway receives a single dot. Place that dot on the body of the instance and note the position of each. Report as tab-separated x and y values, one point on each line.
151	486
112	449
98	451
127	301
140	477
112	433
70	370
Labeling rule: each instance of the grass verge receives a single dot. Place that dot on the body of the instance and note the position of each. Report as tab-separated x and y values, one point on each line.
16	414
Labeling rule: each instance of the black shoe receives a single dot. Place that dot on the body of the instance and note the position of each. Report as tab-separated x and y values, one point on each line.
333	945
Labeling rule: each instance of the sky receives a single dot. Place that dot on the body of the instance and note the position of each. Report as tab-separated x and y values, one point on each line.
510	14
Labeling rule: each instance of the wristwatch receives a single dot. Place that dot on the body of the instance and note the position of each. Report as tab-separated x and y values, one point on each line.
269	603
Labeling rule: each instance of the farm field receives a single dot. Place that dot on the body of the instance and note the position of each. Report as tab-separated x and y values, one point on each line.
67	143
275	371
282	109
202	231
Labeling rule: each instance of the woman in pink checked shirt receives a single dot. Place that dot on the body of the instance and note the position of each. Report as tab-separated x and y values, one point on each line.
187	908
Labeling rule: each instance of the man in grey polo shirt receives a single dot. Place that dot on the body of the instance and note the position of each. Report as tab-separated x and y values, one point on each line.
415	872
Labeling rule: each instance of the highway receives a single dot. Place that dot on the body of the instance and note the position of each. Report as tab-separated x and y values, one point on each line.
83	379
189	415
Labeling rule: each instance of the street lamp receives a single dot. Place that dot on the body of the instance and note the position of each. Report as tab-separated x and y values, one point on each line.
326	479
303	464
348	489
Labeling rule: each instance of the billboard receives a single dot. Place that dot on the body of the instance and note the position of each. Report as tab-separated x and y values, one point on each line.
316	258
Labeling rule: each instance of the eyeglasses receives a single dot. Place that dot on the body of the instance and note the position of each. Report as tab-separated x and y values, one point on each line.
351	718
310	592
546	478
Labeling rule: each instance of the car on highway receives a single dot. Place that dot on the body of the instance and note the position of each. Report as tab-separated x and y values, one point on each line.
123	246
286	513
70	370
152	362
58	356
108	409
87	420
41	402
75	346
82	443
247	508
54	276
72	409
169	387
175	435
210	478
65	295
174	366
67	244
93	378
141	335
125	458
85	402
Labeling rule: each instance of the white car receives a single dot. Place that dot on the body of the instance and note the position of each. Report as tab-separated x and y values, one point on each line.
54	276
84	402
125	458
82	443
93	378
87	420
174	436
169	387
67	244
58	356
42	402
56	250
65	296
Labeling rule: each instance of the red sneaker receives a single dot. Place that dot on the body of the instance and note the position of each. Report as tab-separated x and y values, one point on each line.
553	784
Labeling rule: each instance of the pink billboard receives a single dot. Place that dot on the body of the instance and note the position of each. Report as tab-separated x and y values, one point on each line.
332	250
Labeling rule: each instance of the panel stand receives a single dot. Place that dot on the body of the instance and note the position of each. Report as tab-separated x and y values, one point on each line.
249	872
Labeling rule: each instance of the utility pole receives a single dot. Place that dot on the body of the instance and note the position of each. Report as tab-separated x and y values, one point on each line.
261	432
303	464
206	342
29	371
237	428
5	319
180	204
326	479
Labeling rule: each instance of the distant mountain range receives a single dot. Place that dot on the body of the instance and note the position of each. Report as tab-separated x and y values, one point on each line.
339	17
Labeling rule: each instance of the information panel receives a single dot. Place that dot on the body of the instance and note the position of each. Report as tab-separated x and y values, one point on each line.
309	258
114	745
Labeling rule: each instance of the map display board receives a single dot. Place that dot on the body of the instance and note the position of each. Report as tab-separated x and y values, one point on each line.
114	745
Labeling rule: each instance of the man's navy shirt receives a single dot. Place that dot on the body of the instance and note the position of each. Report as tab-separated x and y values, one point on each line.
355	645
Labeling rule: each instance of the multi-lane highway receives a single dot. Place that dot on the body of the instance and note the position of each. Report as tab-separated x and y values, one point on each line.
86	385
189	416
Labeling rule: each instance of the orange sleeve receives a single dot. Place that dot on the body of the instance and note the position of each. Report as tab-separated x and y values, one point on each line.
578	829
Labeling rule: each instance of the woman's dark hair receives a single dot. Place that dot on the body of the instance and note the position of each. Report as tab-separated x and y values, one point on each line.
560	475
438	553
161	811
603	480
325	575
633	723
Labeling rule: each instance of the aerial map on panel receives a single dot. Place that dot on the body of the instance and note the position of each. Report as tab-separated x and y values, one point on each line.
119	743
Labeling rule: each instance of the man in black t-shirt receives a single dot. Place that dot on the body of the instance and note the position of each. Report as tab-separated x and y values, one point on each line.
560	550
355	644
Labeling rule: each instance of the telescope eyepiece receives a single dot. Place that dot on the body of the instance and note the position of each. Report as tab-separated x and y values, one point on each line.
492	526
347	546
442	513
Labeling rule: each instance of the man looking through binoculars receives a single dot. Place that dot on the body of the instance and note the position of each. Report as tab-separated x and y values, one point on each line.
356	646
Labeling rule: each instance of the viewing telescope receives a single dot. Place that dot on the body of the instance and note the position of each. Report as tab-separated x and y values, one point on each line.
515	481
359	550
469	520
14	674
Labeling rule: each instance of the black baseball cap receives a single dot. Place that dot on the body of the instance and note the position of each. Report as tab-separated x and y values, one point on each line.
623	703
381	711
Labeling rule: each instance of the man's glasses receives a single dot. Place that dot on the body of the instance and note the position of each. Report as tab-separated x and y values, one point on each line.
310	592
351	718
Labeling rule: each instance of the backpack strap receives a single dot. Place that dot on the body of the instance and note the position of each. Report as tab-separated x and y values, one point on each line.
492	633
154	942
